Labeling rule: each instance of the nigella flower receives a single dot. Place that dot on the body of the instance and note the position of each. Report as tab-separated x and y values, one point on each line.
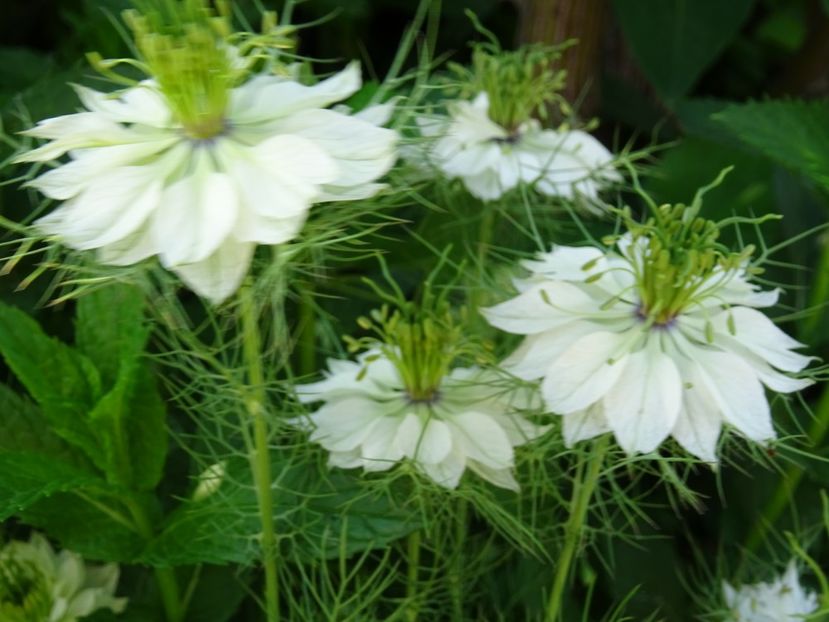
370	419
491	159
659	337
198	164
782	600
38	584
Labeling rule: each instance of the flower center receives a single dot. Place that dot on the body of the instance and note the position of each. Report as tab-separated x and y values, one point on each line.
184	48
24	593
521	84
677	262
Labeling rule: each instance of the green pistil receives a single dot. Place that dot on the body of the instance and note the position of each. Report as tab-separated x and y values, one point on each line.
520	84
185	53
24	593
677	259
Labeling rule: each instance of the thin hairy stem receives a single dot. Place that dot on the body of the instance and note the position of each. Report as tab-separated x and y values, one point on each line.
458	561
587	477
259	455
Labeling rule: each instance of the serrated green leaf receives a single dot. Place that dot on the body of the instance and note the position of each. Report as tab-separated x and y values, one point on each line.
129	420
675	41
110	329
25	478
26	429
63	382
793	133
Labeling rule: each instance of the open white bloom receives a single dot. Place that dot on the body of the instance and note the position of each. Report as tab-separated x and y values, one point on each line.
140	183
782	600
492	160
38	584
369	420
634	342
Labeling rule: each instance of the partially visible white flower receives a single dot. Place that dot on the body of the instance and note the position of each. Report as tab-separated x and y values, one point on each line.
492	160
626	341
368	420
782	600
141	183
38	584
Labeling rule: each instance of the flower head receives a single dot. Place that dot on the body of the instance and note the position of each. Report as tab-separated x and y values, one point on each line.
38	584
492	159
659	337
201	162
370	418
403	399
782	600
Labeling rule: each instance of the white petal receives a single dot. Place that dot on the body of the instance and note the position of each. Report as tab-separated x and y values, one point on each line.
68	180
196	215
734	387
219	275
378	450
268	97
699	423
761	336
567	263
435	443
484	186
643	405
503	478
532	359
344	424
139	104
543	307
481	439
585	372
448	472
584	424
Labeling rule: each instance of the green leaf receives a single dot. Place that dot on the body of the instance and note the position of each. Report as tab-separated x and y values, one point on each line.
27	477
80	525
313	509
110	328
26	429
130	426
793	133
675	41
63	382
129	420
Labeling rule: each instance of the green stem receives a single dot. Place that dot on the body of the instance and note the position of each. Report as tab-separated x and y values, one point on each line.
583	487
789	482
308	334
259	455
457	566
412	597
165	577
818	297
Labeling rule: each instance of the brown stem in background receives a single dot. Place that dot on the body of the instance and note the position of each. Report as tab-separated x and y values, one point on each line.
557	21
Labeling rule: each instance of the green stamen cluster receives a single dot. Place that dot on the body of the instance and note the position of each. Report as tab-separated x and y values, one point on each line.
677	259
24	592
182	44
521	84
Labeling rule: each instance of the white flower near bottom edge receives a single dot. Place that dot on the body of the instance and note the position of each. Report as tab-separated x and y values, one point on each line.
137	186
491	160
70	589
367	420
782	600
603	368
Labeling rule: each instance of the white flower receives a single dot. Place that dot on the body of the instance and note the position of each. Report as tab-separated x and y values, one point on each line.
782	600
368	420
608	365
492	160
137	184
59	586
